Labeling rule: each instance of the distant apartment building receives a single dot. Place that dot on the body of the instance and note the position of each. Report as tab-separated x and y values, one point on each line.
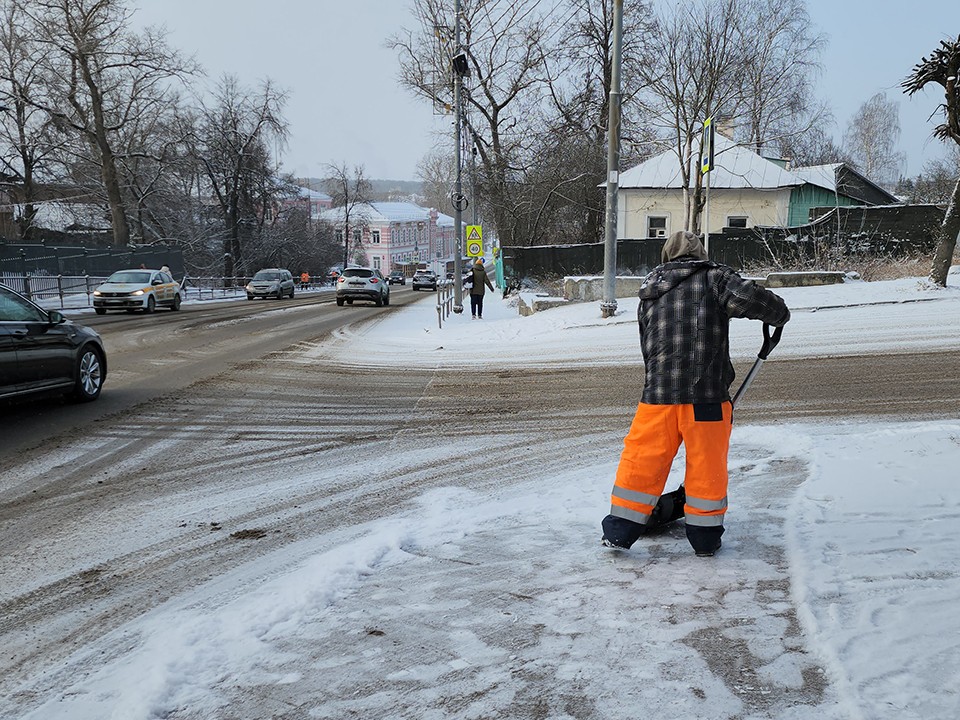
395	235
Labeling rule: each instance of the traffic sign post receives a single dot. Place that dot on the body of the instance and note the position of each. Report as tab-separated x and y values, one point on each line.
705	167
474	241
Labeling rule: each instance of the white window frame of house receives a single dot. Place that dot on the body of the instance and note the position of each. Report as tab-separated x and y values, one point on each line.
338	235
358	235
376	262
375	236
657	216
745	219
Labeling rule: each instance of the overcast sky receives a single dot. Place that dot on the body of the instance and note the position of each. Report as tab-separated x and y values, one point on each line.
346	105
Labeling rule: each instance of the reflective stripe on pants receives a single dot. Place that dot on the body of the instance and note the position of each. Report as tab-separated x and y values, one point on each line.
648	452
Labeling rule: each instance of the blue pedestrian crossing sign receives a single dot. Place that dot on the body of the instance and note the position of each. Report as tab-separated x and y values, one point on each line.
474	241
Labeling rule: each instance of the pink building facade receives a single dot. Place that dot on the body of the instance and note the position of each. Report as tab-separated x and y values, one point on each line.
396	235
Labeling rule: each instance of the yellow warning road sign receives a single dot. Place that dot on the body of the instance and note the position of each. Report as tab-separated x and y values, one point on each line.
474	241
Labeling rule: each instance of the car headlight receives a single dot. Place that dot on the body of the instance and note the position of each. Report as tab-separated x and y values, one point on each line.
249	287
137	292
97	293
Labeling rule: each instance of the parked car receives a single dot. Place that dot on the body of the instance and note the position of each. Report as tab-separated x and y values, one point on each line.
270	282
42	351
362	283
425	280
138	289
397	276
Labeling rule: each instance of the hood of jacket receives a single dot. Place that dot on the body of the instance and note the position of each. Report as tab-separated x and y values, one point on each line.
667	276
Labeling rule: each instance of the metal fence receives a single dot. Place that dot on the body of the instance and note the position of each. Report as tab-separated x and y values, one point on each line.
76	261
76	291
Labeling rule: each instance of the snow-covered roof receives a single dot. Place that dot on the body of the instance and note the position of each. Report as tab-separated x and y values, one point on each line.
380	212
735	167
445	220
824	176
305	193
401	211
58	215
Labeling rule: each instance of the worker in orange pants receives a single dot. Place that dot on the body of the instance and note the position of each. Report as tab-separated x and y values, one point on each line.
648	452
684	315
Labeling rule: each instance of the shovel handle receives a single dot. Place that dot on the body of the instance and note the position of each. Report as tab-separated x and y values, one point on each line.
770	341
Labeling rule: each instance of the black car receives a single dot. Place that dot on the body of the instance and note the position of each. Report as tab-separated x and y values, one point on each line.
425	279
397	276
42	351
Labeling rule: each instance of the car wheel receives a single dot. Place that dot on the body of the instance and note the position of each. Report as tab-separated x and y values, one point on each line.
349	302
378	301
176	302
151	304
339	302
100	311
386	299
291	293
89	375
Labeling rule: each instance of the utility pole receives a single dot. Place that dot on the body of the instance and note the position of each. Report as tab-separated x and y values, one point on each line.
460	69
609	305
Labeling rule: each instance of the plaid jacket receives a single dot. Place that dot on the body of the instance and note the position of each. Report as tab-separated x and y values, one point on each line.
684	313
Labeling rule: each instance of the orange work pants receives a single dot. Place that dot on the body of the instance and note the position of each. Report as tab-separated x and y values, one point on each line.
648	452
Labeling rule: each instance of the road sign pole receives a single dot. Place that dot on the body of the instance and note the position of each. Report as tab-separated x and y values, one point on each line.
458	191
706	165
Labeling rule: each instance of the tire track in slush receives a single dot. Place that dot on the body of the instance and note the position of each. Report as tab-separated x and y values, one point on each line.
43	626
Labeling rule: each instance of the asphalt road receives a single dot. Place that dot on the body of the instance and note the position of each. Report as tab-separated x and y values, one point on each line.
190	463
153	357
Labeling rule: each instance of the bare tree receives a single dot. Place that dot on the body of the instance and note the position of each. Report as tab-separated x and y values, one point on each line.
569	164
99	77
813	147
697	74
780	62
236	133
350	190
936	182
871	140
502	43
29	138
437	171
943	69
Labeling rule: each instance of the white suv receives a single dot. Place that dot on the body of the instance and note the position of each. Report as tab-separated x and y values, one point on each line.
362	283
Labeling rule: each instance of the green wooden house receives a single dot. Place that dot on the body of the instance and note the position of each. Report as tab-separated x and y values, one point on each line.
829	186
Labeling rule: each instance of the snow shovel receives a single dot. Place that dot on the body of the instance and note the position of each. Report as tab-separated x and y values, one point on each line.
670	505
769	343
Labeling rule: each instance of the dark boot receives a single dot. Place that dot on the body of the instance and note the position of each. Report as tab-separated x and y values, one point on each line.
704	540
621	533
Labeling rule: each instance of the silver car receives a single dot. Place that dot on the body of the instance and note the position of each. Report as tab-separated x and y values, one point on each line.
270	282
362	283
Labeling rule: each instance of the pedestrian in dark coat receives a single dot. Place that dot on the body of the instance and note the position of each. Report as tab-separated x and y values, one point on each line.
684	315
480	283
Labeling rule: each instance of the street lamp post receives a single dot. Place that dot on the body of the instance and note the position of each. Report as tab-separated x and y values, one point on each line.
459	201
